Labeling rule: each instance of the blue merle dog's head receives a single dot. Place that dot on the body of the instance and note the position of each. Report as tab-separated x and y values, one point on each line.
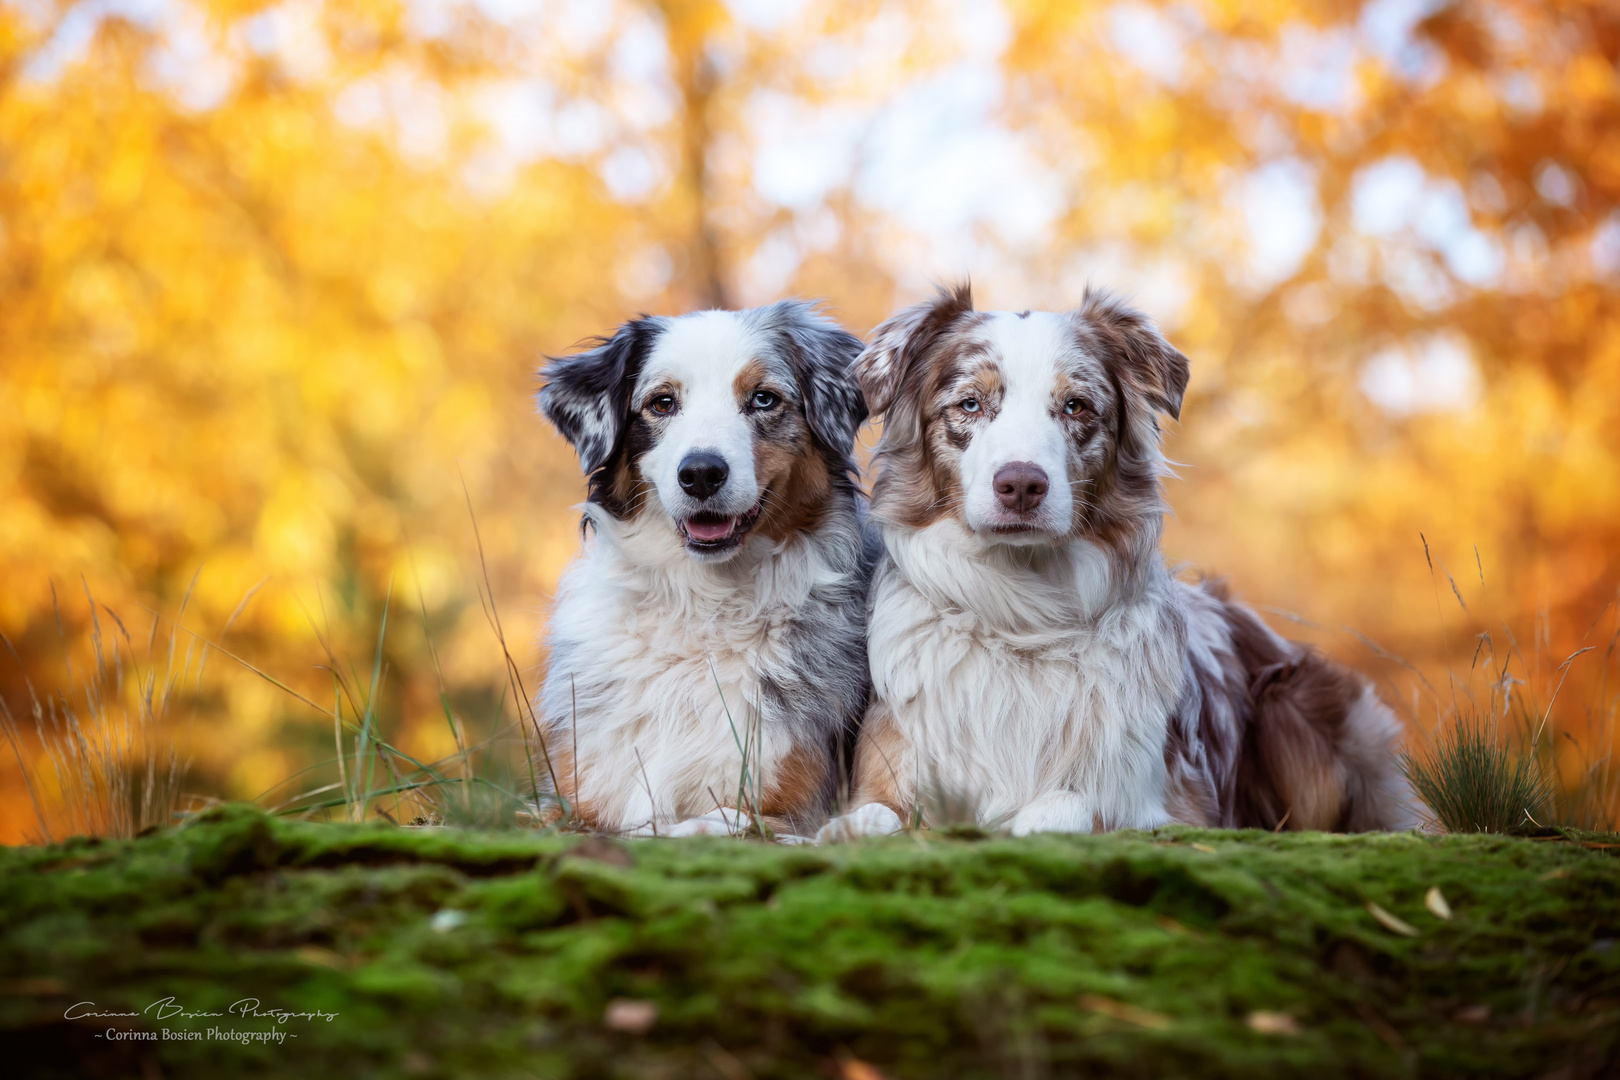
731	423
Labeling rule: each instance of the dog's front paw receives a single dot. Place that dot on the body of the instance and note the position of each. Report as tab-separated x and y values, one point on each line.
714	823
1056	811
873	819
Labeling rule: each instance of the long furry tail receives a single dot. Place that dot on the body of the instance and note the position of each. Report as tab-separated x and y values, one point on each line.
1319	750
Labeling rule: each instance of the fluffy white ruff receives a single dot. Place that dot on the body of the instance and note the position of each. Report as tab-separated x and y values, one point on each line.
664	656
1026	682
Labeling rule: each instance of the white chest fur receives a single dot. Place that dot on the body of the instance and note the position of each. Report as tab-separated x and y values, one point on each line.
1022	682
662	660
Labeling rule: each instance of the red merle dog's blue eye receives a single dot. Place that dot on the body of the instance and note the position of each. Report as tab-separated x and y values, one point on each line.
971	405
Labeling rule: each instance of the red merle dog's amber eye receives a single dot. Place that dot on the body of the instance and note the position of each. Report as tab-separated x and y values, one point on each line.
1074	407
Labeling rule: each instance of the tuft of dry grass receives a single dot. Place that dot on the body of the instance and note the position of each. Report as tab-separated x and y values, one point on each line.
100	759
1501	761
475	787
114	768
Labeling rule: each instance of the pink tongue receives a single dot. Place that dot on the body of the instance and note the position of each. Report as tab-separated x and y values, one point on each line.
710	530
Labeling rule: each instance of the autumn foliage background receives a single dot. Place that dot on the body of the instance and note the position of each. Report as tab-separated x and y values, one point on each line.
275	279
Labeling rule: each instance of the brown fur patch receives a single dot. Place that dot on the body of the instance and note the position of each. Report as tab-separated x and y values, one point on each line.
618	485
1190	802
984	376
1284	737
879	753
797	790
911	357
916	488
902	341
1289	767
964	372
1118	500
799	486
748	380
1156	371
921	481
797	478
560	750
1119	496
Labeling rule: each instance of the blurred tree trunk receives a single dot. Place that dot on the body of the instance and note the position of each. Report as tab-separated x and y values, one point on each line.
689	24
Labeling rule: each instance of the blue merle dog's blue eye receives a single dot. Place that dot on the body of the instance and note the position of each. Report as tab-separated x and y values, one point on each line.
764	399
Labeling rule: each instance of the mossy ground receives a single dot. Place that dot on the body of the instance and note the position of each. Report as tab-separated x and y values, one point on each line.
449	953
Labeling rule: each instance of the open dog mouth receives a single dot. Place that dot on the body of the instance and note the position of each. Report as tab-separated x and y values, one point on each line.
718	532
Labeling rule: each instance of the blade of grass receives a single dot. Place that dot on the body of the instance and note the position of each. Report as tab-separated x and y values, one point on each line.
331	804
573	700
266	676
514	674
742	778
363	757
337	730
1563	674
652	804
236	613
438	674
33	796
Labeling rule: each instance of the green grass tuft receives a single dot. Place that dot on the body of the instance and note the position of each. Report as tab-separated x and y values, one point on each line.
1474	782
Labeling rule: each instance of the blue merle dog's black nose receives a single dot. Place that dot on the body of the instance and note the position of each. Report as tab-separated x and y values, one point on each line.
702	474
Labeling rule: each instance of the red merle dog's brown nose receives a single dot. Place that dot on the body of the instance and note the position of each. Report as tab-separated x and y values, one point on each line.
1021	486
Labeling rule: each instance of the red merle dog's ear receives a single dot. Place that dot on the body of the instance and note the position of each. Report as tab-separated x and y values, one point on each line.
587	395
1145	362
901	341
822	355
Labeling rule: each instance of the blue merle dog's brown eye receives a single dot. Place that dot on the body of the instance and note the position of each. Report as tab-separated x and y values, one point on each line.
663	404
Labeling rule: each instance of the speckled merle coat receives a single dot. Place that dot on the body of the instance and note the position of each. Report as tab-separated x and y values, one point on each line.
1033	655
716	610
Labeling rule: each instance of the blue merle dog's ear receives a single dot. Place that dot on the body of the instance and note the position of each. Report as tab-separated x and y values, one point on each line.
822	355
903	339
586	395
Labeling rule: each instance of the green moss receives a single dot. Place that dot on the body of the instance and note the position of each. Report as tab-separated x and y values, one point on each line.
496	954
